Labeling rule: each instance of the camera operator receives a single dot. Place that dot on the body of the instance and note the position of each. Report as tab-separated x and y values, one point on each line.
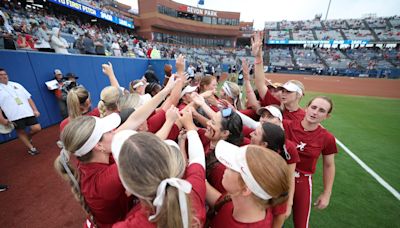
69	83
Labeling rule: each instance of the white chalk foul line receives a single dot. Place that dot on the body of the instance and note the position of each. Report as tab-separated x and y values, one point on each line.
369	170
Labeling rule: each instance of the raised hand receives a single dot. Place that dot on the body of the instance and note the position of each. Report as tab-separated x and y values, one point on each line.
172	114
197	99
107	69
180	64
245	68
256	43
171	83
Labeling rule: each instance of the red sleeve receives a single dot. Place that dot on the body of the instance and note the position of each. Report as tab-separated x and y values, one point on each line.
204	140
155	122
63	124
94	112
247	131
196	175
246	141
251	113
292	150
269	100
216	175
181	106
329	145
174	133
279	209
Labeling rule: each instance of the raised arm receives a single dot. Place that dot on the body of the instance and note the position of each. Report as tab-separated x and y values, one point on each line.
212	194
250	95
144	111
199	100
171	115
195	147
256	49
108	70
173	99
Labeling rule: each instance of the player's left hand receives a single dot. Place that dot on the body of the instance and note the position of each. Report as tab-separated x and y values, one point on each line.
322	201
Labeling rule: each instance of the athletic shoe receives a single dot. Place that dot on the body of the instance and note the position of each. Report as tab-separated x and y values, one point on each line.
3	187
33	151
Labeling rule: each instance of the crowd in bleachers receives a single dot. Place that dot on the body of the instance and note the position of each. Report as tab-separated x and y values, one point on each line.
369	58
303	35
281	57
38	30
307	58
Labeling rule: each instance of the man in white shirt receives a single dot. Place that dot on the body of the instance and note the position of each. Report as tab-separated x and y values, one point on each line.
20	110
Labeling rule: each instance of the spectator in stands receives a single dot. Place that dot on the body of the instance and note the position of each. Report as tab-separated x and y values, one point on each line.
25	41
62	103
42	34
78	44
88	44
19	109
58	43
6	32
124	48
99	45
116	49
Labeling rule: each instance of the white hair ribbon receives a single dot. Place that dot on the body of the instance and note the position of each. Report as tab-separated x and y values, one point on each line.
183	187
64	159
227	90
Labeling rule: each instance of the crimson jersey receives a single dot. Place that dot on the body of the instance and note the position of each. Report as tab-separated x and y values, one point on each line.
292	151
250	113
103	192
310	144
94	112
295	115
157	120
268	99
195	174
225	219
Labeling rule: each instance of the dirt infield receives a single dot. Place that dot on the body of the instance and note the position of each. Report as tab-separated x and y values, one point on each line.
344	85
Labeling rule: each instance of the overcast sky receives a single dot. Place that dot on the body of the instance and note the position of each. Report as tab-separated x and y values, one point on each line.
266	10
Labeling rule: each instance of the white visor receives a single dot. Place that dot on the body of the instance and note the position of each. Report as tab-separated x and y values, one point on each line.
291	87
103	125
271	109
138	84
234	157
188	89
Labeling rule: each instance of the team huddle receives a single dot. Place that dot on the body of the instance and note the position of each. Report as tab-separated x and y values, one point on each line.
188	155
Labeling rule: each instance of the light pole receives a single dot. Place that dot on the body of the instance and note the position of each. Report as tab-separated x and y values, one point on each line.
327	11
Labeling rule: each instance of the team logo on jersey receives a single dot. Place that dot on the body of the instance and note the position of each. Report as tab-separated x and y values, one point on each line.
301	146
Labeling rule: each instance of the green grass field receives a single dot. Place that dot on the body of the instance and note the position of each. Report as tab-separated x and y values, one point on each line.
370	128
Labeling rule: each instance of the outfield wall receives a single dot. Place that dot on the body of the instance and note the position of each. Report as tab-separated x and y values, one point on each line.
33	69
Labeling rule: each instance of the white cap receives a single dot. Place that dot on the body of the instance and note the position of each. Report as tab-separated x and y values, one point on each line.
120	138
57	71
271	109
291	87
234	157
103	125
188	89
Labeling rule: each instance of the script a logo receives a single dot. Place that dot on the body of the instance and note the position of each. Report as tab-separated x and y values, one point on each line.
301	146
